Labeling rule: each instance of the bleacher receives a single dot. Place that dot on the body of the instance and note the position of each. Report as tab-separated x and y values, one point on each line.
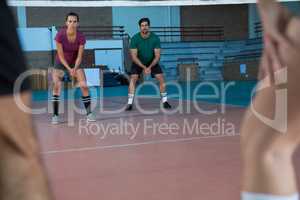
206	54
210	56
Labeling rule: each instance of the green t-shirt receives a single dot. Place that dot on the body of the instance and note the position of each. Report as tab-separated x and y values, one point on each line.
145	47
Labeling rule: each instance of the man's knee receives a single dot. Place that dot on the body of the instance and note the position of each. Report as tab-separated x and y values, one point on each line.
134	78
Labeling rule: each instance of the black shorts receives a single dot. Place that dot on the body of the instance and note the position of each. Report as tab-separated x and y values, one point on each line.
135	69
62	67
66	77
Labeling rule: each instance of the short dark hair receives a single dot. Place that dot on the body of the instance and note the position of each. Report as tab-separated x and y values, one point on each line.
72	14
145	19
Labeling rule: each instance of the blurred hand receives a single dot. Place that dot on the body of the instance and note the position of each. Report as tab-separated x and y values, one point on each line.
274	17
147	70
73	72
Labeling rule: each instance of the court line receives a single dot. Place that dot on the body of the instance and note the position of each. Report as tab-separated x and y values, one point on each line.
131	144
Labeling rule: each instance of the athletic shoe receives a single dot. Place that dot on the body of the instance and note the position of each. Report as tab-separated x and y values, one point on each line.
167	105
55	119
91	117
129	107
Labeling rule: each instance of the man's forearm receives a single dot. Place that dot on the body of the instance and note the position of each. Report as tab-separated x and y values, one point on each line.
154	62
138	62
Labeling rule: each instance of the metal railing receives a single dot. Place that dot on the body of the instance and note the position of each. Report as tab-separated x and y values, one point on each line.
189	33
258	29
102	32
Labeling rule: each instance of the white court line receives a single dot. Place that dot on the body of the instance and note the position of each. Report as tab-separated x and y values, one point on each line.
131	144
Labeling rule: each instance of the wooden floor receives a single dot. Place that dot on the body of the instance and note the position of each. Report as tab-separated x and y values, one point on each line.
126	156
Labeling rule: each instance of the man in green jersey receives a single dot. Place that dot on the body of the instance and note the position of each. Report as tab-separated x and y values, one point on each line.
145	53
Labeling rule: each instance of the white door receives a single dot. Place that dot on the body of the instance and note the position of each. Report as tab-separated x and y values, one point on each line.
113	58
92	76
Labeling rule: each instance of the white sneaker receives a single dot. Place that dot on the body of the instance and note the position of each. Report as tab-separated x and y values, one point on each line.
91	117
55	119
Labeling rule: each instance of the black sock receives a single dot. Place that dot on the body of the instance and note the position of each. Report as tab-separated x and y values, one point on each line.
55	100
87	103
